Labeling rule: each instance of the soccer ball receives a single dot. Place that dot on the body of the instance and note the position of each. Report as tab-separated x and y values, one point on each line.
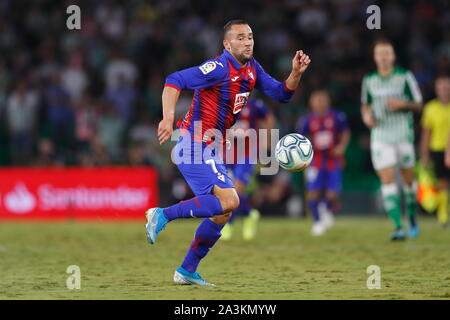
294	152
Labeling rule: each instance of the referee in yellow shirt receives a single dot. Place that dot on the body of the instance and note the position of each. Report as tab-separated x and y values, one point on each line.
447	153
435	137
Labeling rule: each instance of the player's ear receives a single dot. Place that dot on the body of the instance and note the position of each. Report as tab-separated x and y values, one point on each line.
226	44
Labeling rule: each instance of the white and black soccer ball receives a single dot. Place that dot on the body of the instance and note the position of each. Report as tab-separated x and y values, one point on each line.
294	152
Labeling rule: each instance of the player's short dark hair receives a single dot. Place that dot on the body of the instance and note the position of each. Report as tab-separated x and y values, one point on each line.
319	89
231	23
442	75
382	41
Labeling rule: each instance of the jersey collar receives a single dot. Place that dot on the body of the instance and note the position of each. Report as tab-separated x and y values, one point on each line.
235	64
394	71
324	115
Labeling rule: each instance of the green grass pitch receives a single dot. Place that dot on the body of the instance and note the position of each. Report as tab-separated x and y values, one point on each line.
284	262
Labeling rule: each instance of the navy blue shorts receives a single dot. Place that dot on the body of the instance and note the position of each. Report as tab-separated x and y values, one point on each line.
241	172
323	179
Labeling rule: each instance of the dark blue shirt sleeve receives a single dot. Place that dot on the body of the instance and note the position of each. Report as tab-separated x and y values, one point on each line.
261	109
342	123
271	87
204	76
303	126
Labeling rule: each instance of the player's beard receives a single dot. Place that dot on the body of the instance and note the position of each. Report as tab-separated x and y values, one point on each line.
243	58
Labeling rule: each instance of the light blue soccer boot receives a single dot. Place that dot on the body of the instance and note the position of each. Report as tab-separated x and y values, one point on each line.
182	276
414	230
398	234
156	221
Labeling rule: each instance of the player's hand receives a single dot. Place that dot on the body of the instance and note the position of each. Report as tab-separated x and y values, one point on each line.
338	151
300	62
395	104
368	118
425	157
165	130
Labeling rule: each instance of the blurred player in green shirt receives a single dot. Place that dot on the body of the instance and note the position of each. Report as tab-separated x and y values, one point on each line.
389	97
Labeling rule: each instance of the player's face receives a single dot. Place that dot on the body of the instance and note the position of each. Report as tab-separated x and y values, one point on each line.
442	88
319	102
239	41
384	56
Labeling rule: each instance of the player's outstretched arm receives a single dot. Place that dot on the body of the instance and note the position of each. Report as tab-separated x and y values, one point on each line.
300	63
282	91
169	101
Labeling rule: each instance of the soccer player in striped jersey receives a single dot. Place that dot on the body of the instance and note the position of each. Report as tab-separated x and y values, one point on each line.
328	130
221	89
389	97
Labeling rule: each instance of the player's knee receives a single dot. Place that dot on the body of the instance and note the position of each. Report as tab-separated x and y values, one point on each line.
313	195
239	186
387	179
331	195
231	203
229	199
408	177
387	176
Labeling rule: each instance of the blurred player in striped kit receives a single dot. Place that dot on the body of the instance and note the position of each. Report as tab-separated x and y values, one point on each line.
389	97
329	133
255	116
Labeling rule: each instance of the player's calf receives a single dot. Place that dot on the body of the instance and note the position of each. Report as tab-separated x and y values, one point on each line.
313	198
328	207
203	206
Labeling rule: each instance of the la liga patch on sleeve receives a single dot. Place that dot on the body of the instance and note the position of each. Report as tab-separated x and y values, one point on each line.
207	67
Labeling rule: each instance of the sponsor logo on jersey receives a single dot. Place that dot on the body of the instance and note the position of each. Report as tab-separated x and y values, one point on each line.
235	78
240	101
323	140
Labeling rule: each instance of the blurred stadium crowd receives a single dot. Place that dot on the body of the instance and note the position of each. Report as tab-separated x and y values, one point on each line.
92	97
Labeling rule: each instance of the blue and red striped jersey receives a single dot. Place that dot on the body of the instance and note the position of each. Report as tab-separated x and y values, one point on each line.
221	89
249	118
324	132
